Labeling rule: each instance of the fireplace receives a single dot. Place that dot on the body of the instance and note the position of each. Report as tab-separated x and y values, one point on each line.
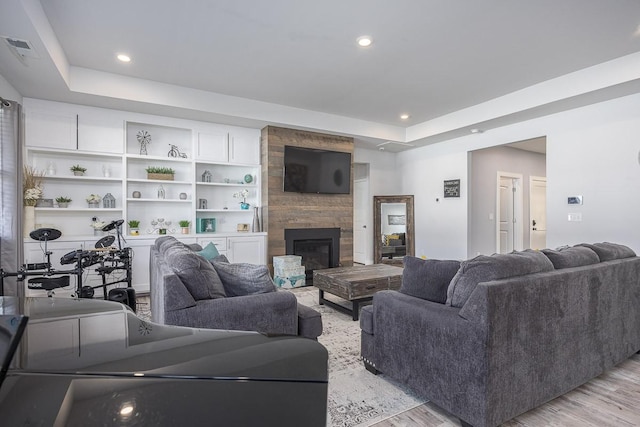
319	247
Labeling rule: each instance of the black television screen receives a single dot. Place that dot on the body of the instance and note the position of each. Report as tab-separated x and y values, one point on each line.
308	170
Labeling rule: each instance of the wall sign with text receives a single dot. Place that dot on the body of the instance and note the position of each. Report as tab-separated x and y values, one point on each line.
452	188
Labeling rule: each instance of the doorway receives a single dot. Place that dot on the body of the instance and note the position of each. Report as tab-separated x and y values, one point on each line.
509	222
362	215
538	212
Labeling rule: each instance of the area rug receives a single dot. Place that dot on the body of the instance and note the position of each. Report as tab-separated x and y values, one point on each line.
357	398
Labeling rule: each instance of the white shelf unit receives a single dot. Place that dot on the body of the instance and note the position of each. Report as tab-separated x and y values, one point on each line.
105	142
59	181
227	179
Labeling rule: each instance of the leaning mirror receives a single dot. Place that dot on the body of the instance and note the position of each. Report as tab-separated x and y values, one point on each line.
393	229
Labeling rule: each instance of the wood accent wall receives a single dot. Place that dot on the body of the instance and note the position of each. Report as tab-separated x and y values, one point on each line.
282	210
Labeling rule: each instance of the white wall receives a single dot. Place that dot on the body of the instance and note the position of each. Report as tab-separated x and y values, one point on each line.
384	179
591	151
8	92
600	160
440	224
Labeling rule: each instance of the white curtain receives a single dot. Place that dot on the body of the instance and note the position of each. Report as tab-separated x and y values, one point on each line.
11	247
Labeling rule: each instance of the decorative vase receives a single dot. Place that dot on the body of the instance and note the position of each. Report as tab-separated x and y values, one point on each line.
134	231
256	220
78	173
244	206
93	205
29	223
185	230
63	204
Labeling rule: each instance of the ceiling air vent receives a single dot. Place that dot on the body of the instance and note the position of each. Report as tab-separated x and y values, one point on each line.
21	47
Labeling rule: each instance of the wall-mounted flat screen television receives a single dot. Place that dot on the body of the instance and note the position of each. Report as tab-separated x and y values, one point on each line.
309	170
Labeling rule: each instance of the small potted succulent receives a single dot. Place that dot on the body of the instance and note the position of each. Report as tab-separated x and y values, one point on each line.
133	227
78	170
63	202
162	173
185	226
94	201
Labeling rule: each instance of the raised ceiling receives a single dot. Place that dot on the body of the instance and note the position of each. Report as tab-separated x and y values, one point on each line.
450	64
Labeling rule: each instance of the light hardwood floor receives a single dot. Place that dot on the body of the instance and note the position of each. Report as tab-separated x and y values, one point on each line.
612	399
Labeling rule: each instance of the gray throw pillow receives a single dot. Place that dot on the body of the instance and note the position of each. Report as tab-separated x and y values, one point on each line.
571	257
195	272
497	266
244	279
608	251
428	279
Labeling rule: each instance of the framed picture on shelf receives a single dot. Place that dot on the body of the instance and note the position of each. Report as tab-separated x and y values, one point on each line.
205	225
243	227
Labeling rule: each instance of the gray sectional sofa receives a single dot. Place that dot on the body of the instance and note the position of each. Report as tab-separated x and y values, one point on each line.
189	290
503	334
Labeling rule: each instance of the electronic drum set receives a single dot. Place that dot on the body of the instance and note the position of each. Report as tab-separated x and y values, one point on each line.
110	259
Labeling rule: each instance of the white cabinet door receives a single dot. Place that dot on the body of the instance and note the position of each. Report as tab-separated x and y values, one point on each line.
140	264
244	146
249	249
100	130
72	127
213	146
50	129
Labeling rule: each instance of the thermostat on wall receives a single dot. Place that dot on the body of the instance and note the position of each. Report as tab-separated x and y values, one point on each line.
574	200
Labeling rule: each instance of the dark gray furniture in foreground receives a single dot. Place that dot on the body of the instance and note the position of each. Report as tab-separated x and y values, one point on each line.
183	294
516	330
119	370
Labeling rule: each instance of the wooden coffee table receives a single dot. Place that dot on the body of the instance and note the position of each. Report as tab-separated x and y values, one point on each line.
355	284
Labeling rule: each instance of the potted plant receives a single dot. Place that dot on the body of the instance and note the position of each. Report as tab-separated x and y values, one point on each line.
242	195
94	201
63	202
185	226
97	226
133	227
78	170
160	172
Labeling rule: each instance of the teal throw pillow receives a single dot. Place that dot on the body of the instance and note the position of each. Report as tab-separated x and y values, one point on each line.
209	252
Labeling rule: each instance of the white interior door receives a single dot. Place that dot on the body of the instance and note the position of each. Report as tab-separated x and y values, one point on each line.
538	212
362	216
509	230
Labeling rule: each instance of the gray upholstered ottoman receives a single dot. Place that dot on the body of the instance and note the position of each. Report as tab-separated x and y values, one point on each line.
309	322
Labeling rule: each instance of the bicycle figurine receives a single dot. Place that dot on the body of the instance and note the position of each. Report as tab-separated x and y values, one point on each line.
175	152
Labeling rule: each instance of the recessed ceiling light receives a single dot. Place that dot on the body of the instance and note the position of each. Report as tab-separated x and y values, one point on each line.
404	116
364	41
124	58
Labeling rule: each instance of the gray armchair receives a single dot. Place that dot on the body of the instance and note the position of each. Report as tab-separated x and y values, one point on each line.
187	298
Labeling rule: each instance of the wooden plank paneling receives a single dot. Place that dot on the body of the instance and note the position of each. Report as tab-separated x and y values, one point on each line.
293	210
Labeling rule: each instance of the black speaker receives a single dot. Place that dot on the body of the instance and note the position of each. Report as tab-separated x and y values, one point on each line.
126	296
131	293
